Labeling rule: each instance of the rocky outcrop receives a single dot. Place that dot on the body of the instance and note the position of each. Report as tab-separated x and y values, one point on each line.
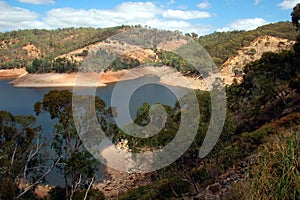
32	51
233	67
117	182
122	49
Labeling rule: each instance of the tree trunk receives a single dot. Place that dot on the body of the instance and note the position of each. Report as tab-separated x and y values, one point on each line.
66	185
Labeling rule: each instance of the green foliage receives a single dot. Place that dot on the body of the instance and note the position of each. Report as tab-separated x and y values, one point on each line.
276	175
173	60
257	137
222	45
267	83
51	43
187	167
46	65
19	153
124	63
247	143
77	165
160	139
93	194
296	16
164	189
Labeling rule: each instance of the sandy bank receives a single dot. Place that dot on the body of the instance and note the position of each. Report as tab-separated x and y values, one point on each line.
12	73
167	76
65	79
116	182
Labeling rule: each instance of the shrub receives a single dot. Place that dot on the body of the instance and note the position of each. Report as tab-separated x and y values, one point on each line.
277	173
93	194
258	136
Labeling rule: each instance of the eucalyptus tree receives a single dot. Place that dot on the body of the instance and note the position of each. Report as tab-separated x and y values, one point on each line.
22	163
77	164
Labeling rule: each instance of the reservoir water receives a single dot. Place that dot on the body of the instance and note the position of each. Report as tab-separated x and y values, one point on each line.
20	101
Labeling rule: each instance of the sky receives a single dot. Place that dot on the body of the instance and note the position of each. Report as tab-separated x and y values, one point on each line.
198	16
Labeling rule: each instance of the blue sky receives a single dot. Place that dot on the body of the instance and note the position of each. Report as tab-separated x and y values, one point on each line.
199	16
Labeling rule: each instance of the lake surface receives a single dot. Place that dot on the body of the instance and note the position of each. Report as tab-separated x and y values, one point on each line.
20	101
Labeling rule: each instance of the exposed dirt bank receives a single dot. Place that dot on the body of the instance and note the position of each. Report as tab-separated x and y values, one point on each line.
167	76
12	73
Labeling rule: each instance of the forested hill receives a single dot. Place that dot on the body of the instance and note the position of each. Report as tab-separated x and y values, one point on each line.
222	45
20	48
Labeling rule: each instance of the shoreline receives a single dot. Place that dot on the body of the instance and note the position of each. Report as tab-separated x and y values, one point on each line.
12	73
167	75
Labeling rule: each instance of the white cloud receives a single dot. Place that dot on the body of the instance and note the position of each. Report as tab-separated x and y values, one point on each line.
12	18
186	15
182	26
288	4
37	2
244	24
127	13
204	5
256	2
138	7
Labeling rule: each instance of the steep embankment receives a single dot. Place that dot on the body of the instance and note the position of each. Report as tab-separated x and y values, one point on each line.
233	67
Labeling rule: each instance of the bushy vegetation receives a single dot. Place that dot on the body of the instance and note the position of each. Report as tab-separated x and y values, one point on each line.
50	43
263	105
124	63
222	45
21	158
263	119
276	174
59	65
269	83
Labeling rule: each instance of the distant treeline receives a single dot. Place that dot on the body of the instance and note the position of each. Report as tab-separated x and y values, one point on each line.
59	65
52	43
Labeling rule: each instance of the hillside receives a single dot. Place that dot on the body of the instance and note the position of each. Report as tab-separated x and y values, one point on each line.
257	155
223	45
135	52
19	48
233	67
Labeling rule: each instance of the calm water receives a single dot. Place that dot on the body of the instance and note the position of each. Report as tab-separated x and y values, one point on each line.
20	101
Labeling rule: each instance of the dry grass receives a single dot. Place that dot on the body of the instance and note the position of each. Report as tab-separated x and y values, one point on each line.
277	172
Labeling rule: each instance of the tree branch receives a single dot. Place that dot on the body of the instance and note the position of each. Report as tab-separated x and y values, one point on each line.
74	187
13	156
90	185
40	179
